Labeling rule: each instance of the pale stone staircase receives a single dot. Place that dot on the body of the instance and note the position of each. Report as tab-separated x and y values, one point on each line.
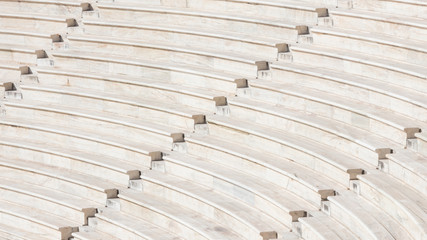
213	119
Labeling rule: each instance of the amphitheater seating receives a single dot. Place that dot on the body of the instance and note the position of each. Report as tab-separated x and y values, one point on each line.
213	119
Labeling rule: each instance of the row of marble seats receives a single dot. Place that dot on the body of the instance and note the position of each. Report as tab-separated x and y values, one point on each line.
338	166
375	44
364	219
99	95
101	165
411	8
387	24
41	223
361	64
166	53
68	206
121	95
383	122
9	71
40	23
403	202
200	38
404	101
340	136
112	224
103	65
74	116
247	221
27	38
199	19
48	7
88	141
284	10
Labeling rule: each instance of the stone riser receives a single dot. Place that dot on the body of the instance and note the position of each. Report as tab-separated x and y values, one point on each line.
29	24
62	140
327	110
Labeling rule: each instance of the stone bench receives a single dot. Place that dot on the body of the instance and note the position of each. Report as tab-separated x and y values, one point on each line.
84	139
200	19
177	219
200	38
167	53
113	224
411	8
274	142
372	43
362	64
99	165
132	129
9	71
105	65
148	110
312	154
284	202
71	182
58	203
33	22
408	166
342	137
48	7
392	25
25	38
321	226
247	221
20	54
40	223
363	219
402	100
398	200
13	232
421	143
289	10
382	121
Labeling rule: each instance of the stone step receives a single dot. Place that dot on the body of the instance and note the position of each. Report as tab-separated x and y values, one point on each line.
168	52
246	220
371	43
119	225
343	137
41	23
40	223
125	98
262	191
363	219
28	38
14	233
196	18
399	200
406	101
22	54
323	227
387	24
176	218
178	74
296	148
9	71
71	207
132	129
48	7
71	182
85	139
410	8
364	65
96	164
409	167
294	11
384	122
201	38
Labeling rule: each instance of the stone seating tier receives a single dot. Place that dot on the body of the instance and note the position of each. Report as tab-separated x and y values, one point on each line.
406	101
280	202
